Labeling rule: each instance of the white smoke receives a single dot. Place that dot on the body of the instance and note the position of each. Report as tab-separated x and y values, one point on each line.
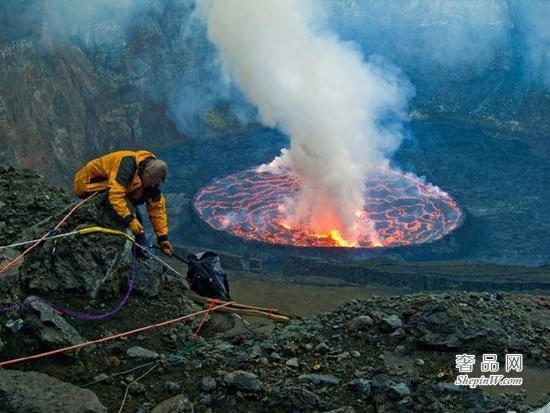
424	33
457	36
336	107
531	22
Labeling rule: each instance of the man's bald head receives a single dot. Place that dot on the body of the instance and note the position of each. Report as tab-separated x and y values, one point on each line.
154	173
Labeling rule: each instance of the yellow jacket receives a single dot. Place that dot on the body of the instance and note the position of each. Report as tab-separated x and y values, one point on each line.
118	173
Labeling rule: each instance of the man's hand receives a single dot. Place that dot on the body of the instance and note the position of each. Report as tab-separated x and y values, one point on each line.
141	239
166	247
136	227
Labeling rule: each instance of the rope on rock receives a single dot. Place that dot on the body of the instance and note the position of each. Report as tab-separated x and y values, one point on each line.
109	338
5	268
210	309
88	316
77	314
128	237
22	243
135	381
90	230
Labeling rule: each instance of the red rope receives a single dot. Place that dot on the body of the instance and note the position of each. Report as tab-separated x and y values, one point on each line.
108	338
210	309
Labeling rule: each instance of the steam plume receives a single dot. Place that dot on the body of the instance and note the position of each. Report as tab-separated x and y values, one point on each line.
339	110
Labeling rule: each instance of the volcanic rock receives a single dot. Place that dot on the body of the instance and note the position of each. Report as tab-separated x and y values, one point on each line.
322	347
293	362
544	409
176	404
60	106
275	356
147	283
36	392
256	351
87	263
361	322
243	380
208	384
21	208
49	326
362	388
296	399
345	409
205	399
172	386
142	353
399	391
375	367
471	324
328	379
391	323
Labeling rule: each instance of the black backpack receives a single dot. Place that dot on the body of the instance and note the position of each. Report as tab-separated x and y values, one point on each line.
206	276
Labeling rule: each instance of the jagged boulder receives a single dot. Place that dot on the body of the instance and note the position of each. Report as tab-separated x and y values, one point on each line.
26	199
84	264
243	380
296	399
176	404
52	329
480	322
94	265
36	392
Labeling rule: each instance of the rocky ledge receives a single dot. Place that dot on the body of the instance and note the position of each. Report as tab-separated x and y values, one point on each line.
382	354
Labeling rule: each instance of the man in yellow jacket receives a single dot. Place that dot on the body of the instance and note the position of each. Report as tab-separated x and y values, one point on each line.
134	177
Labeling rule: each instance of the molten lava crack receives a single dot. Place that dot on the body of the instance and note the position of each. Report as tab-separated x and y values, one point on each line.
402	209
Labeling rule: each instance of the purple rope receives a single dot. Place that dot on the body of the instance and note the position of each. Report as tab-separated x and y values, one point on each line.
17	306
77	314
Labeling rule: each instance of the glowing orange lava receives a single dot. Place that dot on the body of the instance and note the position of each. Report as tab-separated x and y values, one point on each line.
399	208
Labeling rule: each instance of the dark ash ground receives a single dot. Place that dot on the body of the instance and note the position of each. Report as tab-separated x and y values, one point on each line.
380	353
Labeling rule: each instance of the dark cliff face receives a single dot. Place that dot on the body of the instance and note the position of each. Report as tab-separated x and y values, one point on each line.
73	89
63	102
480	64
497	99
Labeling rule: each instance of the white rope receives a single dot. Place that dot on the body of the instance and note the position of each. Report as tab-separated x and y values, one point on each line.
19	244
146	250
135	381
68	234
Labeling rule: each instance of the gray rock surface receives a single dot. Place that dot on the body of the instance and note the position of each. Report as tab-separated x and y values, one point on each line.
329	379
176	404
362	387
361	322
172	386
89	265
36	392
142	353
400	390
50	327
297	399
391	323
293	362
243	380
72	93
208	384
375	368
